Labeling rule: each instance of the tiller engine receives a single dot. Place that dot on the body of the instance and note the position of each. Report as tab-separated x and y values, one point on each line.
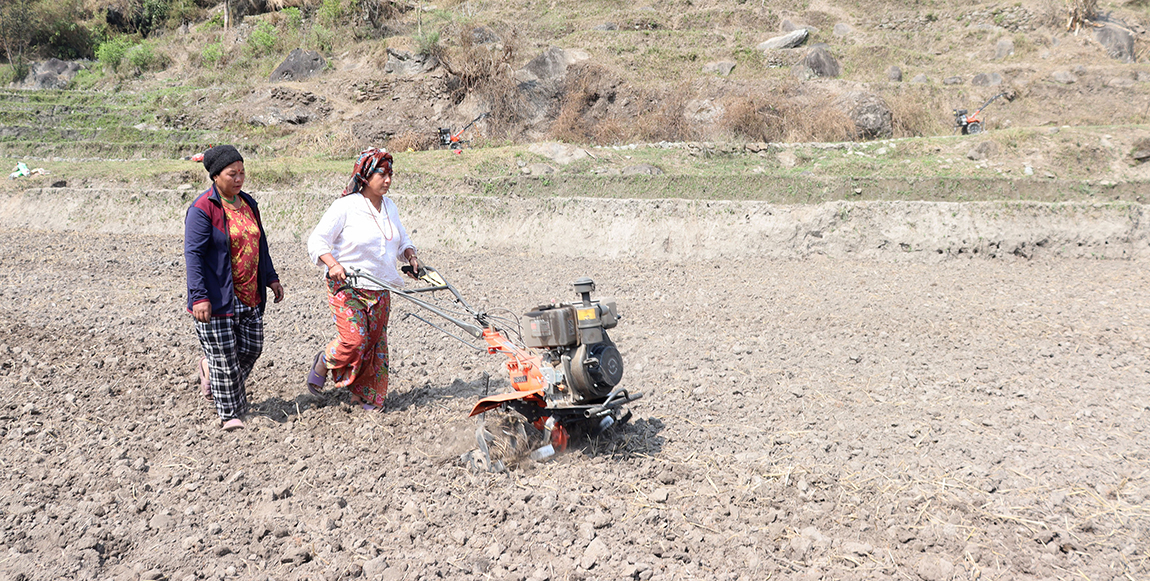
564	371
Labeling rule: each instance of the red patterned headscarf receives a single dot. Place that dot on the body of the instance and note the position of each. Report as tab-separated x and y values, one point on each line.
371	160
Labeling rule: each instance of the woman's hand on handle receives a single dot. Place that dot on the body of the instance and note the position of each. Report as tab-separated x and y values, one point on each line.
413	260
335	270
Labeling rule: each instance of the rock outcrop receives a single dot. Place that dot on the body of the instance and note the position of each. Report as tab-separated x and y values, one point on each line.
299	65
869	113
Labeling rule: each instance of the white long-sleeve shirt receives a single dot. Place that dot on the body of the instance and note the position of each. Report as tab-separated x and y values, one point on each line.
358	236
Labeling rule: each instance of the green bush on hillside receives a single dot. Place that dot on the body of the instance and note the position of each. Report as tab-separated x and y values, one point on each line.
293	18
428	43
262	40
58	29
320	38
216	22
330	12
213	53
143	56
111	53
8	74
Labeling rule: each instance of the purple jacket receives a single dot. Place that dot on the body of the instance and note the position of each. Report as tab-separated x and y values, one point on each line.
208	255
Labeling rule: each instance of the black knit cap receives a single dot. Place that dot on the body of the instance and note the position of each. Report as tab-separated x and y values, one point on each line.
220	157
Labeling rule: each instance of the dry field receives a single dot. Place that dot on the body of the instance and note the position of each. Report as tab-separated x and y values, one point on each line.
809	416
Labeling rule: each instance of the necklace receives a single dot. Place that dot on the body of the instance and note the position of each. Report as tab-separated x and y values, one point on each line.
383	210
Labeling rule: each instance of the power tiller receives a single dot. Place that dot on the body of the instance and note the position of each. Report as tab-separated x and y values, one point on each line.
564	372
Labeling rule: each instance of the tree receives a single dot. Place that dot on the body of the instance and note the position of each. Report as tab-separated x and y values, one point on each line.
16	28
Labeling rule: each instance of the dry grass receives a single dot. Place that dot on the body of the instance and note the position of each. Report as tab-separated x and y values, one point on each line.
412	141
666	121
485	72
585	116
1080	14
914	114
764	118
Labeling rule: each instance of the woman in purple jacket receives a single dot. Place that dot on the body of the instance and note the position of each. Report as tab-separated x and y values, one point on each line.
229	272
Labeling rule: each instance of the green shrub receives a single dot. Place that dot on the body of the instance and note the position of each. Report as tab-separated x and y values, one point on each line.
428	43
111	52
153	15
213	54
263	39
321	38
330	12
86	79
143	56
216	22
293	18
58	29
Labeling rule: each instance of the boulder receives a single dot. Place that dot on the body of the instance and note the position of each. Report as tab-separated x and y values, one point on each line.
894	74
723	68
955	80
51	74
1003	49
550	66
986	80
1120	83
869	112
789	40
787	158
299	65
1064	77
1118	41
982	150
606	27
541	81
402	62
842	29
920	79
703	111
484	35
820	61
1141	152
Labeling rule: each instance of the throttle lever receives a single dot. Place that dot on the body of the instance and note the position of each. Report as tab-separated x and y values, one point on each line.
406	269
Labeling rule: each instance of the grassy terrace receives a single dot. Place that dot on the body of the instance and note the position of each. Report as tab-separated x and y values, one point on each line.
1076	165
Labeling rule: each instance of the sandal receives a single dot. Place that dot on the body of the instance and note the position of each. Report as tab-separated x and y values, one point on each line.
205	382
367	407
233	425
316	381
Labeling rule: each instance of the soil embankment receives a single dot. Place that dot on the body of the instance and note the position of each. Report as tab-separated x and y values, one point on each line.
663	229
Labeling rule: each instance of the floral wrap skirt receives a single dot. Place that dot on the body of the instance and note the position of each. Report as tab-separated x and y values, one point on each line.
357	357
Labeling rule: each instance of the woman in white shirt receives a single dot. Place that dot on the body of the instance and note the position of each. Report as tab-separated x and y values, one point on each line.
361	230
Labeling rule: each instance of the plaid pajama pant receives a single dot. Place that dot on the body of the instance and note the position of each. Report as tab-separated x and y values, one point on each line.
232	346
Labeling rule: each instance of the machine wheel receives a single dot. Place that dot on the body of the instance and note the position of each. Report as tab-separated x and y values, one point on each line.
973	127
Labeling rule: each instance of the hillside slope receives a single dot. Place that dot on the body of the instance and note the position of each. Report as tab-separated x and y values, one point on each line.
611	73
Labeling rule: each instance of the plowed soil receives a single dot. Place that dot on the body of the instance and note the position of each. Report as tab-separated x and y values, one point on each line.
814	418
